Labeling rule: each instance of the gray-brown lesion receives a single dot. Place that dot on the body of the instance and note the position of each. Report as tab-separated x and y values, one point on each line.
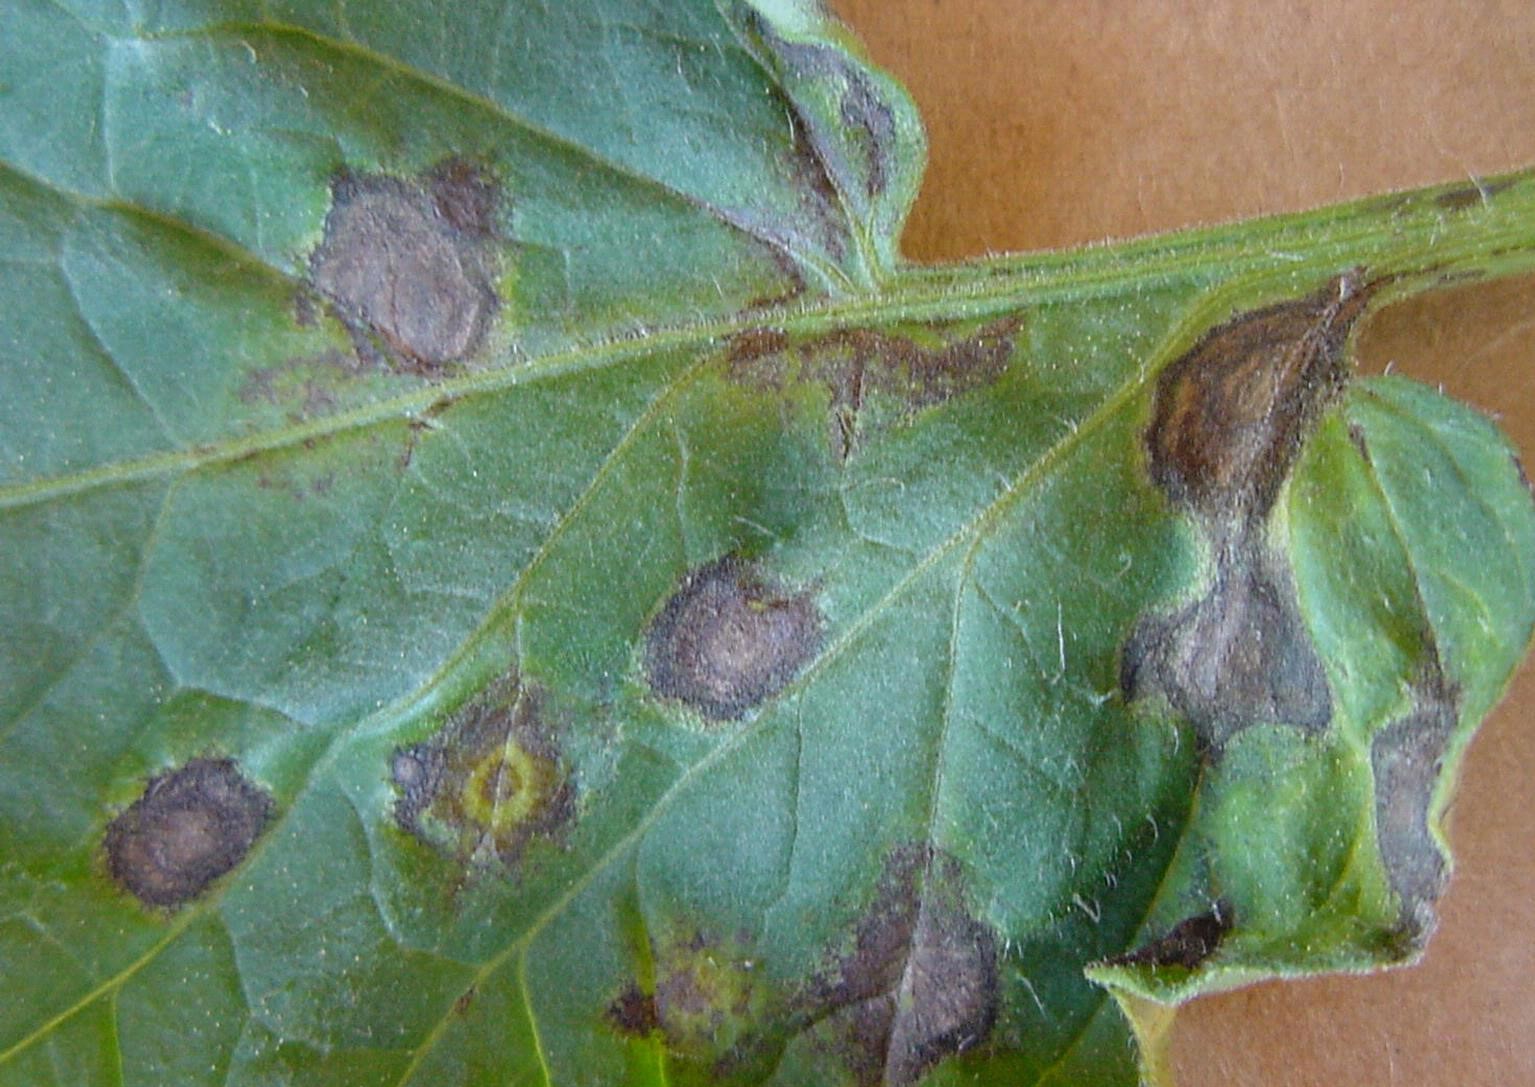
729	638
490	782
1232	413
408	266
1229	420
1407	761
1237	657
921	982
190	826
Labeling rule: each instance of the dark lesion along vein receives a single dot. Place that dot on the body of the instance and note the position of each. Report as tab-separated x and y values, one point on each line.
1229	420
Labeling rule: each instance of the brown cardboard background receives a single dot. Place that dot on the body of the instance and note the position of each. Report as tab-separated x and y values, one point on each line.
1056	122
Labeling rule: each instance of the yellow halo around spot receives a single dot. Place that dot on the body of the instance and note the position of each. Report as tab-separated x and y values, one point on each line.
505	788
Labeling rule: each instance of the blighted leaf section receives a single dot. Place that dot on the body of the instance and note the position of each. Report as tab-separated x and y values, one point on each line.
1228	423
407	262
1239	656
191	826
1232	412
1407	758
858	145
729	638
710	1005
908	368
916	980
920	982
490	782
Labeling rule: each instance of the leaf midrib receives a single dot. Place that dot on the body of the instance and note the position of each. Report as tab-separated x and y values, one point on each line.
1501	242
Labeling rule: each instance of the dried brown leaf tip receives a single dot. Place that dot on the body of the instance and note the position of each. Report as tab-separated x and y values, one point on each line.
490	782
729	638
191	826
1228	423
920	982
407	264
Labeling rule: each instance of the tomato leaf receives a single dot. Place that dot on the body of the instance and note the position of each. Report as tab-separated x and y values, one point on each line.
509	577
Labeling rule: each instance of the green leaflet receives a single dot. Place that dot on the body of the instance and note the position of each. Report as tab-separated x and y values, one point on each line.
507	577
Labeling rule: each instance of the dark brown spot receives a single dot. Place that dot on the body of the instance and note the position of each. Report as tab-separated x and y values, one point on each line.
633	1012
1407	758
409	264
465	1001
1187	944
710	1001
489	782
465	196
921	981
728	639
925	374
1230	414
1475	195
756	343
190	826
1240	656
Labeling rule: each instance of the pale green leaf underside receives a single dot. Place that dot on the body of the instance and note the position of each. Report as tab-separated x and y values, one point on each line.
251	510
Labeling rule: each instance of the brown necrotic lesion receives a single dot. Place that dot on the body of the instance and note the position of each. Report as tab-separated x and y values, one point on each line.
1407	761
190	826
489	782
407	264
1187	944
912	367
1229	419
1238	656
729	638
921	982
1232	412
